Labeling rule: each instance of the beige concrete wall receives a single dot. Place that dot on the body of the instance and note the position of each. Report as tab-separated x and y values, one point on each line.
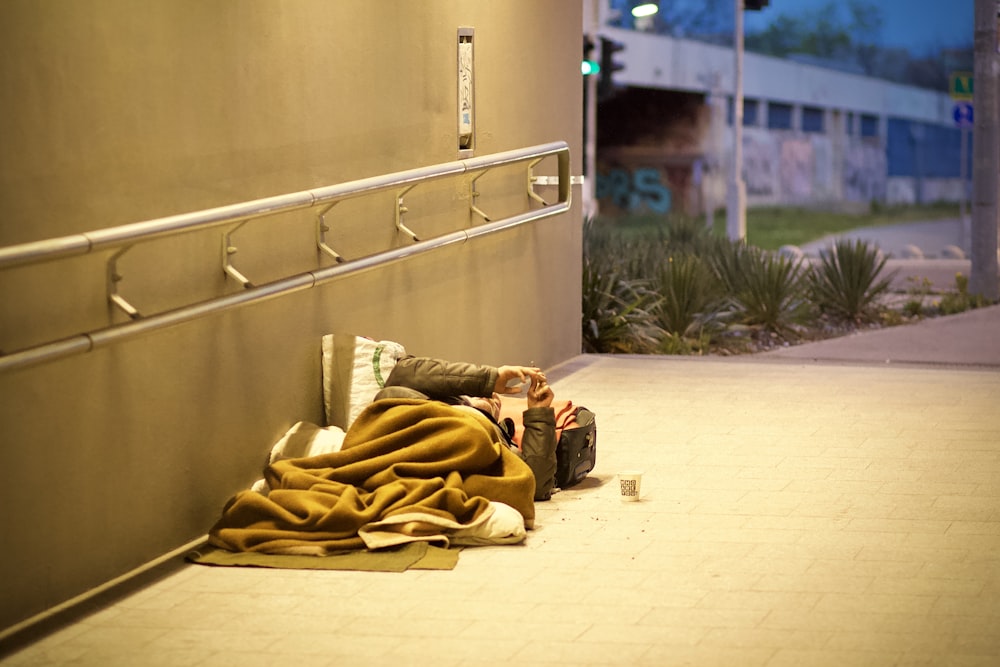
115	111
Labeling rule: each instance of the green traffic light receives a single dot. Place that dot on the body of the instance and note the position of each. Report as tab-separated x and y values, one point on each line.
588	67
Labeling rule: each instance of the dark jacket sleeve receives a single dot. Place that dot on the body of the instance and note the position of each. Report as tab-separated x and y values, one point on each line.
440	380
538	448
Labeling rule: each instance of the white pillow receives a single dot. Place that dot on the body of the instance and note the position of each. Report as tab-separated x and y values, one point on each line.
305	439
302	439
354	370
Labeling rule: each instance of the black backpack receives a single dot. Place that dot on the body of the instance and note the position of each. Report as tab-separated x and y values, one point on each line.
576	446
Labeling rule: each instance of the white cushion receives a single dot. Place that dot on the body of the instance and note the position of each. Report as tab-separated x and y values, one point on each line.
354	370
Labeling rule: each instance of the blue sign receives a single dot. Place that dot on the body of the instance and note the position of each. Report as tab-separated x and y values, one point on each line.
962	113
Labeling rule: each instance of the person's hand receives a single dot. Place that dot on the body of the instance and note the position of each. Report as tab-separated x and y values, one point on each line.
540	393
508	374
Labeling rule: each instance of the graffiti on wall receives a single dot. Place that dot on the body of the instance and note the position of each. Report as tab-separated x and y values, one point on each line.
797	168
901	191
864	173
777	169
822	164
634	190
760	165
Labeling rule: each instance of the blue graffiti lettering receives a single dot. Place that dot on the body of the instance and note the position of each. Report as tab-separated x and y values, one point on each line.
632	192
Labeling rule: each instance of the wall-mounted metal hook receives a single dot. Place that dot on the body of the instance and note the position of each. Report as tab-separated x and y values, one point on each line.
113	279
531	183
474	194
554	180
400	210
228	250
321	229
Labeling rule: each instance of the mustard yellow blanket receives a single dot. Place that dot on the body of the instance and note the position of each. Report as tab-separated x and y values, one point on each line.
400	457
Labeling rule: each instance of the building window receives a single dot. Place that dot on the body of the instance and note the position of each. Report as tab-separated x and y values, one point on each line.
869	125
812	119
849	123
750	111
779	116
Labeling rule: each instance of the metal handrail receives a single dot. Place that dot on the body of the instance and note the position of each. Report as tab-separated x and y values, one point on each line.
126	235
86	242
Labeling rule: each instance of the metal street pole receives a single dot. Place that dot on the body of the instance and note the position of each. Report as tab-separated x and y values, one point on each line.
736	194
963	208
985	152
963	152
592	20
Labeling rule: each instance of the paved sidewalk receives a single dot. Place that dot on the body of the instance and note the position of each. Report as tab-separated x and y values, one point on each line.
792	514
971	338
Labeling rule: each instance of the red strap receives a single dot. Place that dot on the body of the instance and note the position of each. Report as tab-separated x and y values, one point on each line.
512	407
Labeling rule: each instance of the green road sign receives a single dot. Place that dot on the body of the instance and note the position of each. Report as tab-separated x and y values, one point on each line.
960	85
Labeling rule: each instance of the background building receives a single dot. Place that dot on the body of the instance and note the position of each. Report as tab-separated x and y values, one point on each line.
813	134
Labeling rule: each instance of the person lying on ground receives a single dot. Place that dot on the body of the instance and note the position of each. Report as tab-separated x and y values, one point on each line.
466	385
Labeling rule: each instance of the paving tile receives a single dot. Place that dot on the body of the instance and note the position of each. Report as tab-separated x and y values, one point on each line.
816	582
579	653
888	603
795	657
705	654
764	638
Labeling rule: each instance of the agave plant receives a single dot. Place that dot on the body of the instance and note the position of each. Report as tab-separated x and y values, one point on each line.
692	297
617	311
687	235
767	289
846	282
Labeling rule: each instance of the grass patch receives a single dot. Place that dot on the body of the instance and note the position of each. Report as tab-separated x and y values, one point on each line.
770	228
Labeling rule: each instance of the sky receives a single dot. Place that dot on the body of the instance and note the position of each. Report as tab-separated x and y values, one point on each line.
917	25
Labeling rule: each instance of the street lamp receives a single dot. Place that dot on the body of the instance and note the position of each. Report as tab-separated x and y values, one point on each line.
643	14
645	9
736	193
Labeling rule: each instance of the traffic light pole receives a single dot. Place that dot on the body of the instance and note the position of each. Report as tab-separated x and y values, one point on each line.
736	194
589	146
985	152
591	20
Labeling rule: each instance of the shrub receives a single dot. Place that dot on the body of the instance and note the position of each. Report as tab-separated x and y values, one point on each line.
846	283
919	291
766	289
686	235
617	306
693	300
686	345
617	313
960	300
913	308
729	263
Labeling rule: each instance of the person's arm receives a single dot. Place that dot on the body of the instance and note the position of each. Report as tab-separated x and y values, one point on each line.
538	444
440	379
443	379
